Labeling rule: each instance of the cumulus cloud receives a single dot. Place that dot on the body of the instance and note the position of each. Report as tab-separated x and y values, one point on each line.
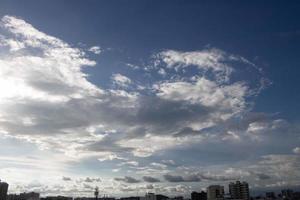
42	84
228	99
46	77
47	99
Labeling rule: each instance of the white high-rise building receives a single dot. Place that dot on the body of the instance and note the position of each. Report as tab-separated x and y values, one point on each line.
215	192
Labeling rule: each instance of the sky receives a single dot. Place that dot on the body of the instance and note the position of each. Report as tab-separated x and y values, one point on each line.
139	96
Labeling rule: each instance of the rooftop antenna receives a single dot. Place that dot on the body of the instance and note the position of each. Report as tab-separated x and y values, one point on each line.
96	193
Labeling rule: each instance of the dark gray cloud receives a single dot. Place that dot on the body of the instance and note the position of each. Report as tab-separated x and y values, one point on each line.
150	179
107	144
91	180
214	177
187	131
173	178
178	178
127	179
262	176
64	178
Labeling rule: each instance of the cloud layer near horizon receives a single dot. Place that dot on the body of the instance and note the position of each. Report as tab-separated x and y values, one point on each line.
196	104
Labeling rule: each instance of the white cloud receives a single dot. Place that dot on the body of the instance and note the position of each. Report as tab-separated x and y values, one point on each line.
95	49
121	80
228	99
129	162
40	84
47	100
132	66
45	93
257	127
266	126
162	72
13	44
209	59
108	156
168	162
296	150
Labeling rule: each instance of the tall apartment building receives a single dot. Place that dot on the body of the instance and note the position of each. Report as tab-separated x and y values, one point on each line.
239	190
3	190
215	192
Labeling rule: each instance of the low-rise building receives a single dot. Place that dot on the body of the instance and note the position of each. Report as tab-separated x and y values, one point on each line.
57	198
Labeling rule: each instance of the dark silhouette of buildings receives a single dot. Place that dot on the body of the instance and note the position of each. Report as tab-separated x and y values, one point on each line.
270	195
199	195
3	190
287	194
161	197
24	196
130	198
57	198
93	198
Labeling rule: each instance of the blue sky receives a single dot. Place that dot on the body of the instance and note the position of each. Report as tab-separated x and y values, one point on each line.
148	96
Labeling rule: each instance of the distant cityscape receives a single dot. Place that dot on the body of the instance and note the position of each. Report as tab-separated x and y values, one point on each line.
236	191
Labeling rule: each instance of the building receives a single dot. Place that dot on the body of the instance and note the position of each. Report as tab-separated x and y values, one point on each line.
93	198
239	190
177	198
12	197
24	196
287	194
3	190
270	195
130	198
215	192
296	195
161	197
57	198
30	196
150	196
199	195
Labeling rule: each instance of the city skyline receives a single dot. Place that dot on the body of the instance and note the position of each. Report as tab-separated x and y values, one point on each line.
236	191
138	96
